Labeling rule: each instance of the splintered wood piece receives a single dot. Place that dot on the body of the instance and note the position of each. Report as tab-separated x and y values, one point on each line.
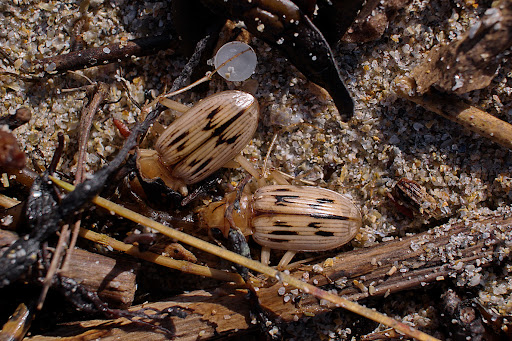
404	264
112	279
210	314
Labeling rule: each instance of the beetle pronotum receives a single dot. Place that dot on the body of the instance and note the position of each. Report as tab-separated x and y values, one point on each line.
287	217
202	140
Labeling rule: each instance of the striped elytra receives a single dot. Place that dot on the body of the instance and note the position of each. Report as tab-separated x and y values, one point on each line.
202	140
287	217
302	218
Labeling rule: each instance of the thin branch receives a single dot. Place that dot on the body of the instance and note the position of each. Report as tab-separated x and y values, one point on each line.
106	54
456	110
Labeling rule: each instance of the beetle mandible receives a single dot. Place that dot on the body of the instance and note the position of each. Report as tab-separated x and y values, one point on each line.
202	140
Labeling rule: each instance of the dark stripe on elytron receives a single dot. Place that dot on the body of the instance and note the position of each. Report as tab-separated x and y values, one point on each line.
175	141
281	224
229	141
315	225
272	240
282	189
324	233
280	199
321	202
328	216
284	233
180	137
181	147
217	130
212	114
203	165
195	162
224	126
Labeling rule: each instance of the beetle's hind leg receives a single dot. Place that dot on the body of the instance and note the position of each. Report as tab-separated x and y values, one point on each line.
288	256
265	255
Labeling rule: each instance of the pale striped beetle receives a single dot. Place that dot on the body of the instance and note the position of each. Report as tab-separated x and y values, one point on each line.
202	140
287	217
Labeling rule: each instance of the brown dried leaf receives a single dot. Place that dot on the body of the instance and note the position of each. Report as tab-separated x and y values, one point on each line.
471	62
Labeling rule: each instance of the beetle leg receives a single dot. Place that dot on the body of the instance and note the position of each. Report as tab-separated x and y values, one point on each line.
249	168
278	178
265	255
288	256
177	106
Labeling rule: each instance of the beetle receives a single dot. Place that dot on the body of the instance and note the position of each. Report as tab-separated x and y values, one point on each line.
410	197
202	140
287	217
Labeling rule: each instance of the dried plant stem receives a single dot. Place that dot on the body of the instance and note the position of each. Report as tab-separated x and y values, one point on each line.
85	131
254	265
106	54
85	128
180	265
456	110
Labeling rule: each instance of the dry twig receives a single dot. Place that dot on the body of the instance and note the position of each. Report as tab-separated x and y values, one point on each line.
456	110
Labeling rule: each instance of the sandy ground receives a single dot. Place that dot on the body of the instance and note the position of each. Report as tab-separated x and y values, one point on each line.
387	139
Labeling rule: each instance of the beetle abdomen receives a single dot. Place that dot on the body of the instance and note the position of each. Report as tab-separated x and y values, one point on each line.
303	218
208	135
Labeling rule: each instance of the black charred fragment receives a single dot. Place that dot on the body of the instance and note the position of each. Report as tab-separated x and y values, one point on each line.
44	213
19	256
284	26
335	17
238	244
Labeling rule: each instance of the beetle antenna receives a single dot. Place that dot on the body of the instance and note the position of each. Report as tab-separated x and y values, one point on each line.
267	156
206	77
